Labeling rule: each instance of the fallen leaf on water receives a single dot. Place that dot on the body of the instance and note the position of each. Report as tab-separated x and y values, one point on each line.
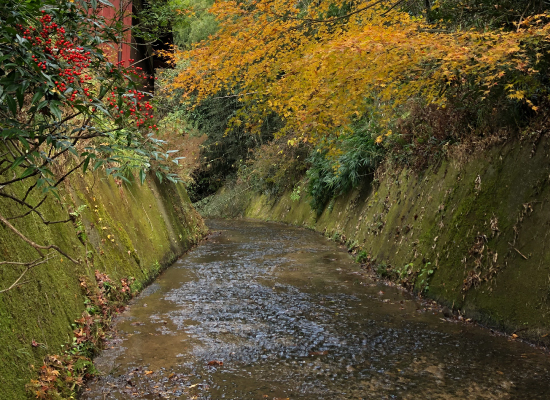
318	353
543	336
500	372
514	336
215	362
148	372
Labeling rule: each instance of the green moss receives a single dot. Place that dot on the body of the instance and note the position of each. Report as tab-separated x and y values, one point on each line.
150	225
434	219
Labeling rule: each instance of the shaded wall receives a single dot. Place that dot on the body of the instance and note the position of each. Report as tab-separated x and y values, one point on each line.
131	231
481	226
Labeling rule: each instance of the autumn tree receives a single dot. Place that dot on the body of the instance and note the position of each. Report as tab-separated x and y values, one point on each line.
66	107
316	65
360	81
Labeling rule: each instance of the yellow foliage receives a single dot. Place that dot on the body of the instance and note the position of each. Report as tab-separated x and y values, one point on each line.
318	74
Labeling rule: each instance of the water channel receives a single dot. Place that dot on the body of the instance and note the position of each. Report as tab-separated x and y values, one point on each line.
268	311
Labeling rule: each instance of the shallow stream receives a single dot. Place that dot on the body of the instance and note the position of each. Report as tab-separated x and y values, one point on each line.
268	311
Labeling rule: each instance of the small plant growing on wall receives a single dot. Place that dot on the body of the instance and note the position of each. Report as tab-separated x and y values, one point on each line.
65	106
77	220
296	193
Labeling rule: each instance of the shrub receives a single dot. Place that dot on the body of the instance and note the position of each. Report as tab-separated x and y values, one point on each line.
339	164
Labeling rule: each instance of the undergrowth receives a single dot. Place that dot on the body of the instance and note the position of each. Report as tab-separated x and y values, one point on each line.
62	376
274	167
340	163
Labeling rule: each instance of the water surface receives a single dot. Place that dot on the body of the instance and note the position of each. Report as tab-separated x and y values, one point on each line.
268	311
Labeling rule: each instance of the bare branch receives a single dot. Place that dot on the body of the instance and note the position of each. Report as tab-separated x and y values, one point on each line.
68	173
36	246
32	209
29	265
316	20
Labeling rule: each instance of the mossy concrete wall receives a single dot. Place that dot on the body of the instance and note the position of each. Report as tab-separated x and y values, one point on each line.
474	236
131	230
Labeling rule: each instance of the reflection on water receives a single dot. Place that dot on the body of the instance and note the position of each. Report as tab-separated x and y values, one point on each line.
268	311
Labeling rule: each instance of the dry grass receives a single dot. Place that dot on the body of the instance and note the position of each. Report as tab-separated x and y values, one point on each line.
188	143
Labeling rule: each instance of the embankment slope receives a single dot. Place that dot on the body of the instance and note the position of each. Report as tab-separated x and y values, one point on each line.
129	231
472	235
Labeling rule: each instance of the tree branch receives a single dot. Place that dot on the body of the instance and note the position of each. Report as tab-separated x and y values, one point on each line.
30	265
315	20
36	246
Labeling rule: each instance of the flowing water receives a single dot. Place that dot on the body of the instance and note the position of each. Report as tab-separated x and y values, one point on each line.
268	311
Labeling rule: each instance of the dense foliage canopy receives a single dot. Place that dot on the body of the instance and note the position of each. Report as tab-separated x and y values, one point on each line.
316	64
421	75
66	105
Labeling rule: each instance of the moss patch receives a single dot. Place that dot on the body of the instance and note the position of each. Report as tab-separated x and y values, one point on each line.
131	231
481	228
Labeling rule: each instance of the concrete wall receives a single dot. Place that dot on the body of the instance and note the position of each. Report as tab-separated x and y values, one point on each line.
130	231
472	235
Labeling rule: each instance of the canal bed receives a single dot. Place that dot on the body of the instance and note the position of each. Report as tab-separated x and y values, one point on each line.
269	311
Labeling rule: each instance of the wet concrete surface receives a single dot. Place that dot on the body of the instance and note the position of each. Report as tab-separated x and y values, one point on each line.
268	311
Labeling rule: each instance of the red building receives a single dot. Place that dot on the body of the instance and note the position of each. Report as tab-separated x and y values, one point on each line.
134	48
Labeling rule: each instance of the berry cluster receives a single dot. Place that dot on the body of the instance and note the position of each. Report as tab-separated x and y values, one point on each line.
50	42
53	51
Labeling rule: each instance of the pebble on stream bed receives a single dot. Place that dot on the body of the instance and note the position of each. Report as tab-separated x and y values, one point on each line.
270	310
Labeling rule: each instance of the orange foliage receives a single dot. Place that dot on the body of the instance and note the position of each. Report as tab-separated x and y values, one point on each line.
318	73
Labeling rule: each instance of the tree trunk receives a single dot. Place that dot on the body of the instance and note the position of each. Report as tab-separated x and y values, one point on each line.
428	10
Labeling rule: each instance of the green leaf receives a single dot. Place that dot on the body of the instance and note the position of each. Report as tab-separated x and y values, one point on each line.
46	171
24	142
17	161
55	111
40	182
85	165
28	172
53	190
142	176
20	94
103	110
102	91
42	105
37	96
172	179
12	105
